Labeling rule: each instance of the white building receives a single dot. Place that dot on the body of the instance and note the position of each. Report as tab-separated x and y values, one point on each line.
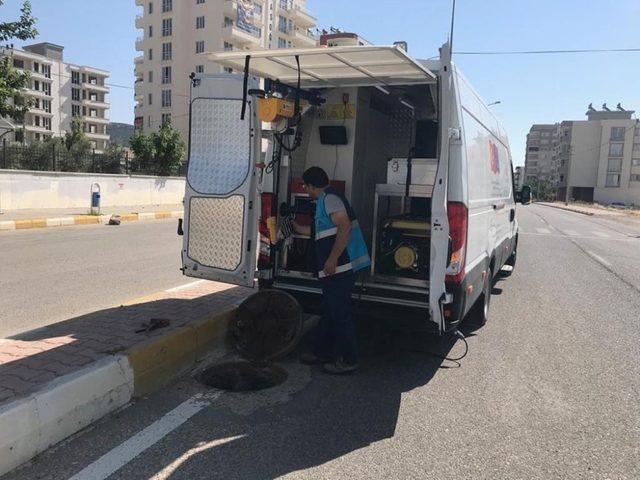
175	34
60	91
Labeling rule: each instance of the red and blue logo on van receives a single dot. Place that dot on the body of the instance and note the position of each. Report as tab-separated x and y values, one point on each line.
494	157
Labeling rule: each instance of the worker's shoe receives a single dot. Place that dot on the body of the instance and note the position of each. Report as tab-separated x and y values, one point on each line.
339	367
309	358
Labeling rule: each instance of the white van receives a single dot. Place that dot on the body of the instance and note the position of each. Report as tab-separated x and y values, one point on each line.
423	161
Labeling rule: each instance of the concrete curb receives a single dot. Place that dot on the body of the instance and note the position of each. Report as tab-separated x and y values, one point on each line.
85	220
568	209
70	403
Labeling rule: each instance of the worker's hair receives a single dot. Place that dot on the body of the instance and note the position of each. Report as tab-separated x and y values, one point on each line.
316	177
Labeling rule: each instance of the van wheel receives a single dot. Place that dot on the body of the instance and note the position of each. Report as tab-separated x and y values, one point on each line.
479	313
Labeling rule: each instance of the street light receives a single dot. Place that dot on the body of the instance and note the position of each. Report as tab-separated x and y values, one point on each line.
494	103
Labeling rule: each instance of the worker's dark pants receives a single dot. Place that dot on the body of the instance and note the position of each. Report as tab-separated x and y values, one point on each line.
336	331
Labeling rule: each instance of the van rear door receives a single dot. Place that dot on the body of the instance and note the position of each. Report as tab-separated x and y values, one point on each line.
220	198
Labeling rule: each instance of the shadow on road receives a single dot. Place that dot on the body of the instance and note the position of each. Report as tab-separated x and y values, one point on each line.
330	418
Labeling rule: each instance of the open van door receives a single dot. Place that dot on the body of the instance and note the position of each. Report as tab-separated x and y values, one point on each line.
221	193
439	219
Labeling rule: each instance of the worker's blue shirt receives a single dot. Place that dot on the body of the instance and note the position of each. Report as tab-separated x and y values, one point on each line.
356	256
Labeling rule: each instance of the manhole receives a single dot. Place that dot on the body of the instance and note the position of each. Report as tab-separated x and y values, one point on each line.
243	376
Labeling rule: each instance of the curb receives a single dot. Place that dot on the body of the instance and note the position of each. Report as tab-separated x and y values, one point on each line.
85	220
72	402
567	209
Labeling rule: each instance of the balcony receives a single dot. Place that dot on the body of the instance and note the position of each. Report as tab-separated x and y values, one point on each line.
239	36
140	3
40	76
231	11
95	87
96	103
37	129
40	112
140	21
302	17
97	136
140	44
304	38
100	120
38	93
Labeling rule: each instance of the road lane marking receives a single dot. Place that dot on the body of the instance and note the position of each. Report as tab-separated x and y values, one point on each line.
120	456
598	258
600	234
543	230
570	232
186	286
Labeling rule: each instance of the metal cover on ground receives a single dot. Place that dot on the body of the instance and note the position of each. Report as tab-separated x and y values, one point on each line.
267	325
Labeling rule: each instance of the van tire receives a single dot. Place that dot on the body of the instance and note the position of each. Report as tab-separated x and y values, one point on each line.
479	313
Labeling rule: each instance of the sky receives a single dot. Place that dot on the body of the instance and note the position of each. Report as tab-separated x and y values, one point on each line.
531	88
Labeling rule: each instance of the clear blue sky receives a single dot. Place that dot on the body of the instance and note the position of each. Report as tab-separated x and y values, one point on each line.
532	89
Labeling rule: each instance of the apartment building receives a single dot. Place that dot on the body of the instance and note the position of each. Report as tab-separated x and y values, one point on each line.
60	91
176	34
336	38
597	159
518	177
542	153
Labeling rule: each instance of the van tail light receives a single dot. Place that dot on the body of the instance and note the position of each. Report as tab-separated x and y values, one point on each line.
266	221
458	226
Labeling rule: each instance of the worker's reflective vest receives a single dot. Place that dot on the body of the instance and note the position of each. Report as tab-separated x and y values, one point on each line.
356	256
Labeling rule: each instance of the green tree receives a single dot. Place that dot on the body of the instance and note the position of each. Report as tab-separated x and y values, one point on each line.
78	147
143	151
112	159
169	149
13	81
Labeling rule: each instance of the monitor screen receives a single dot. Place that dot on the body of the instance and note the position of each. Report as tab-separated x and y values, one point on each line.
333	135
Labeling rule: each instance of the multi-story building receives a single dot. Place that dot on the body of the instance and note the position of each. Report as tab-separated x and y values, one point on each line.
597	159
336	38
176	34
60	91
518	177
541	161
602	161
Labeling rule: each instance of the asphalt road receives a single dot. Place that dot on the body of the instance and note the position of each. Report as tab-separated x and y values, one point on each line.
53	274
550	389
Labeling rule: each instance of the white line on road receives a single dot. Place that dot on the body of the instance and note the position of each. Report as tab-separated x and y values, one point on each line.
543	230
570	232
598	258
117	458
186	286
600	234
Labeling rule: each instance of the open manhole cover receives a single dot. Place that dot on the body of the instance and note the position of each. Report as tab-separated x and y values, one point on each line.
267	326
243	376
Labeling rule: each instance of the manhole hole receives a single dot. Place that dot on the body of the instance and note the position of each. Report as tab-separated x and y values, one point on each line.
243	376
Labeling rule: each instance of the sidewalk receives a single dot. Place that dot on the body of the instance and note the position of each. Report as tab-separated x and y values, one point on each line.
583	209
59	379
56	217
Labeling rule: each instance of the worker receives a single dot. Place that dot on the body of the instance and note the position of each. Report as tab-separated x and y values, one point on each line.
340	253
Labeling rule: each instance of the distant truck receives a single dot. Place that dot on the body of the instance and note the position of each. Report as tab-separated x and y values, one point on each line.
424	162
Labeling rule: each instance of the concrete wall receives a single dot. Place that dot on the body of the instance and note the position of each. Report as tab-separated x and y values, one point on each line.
585	146
26	189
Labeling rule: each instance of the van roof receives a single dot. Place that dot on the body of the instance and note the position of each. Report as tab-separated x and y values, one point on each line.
322	67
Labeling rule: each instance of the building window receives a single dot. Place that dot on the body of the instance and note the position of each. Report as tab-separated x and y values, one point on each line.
282	43
150	102
167	5
614	167
166	75
150	31
75	94
199	68
636	147
199	2
167	27
228	46
166	118
617	133
46	88
635	177
150	55
150	77
46	106
228	69
75	110
18	63
167	51
150	8
534	149
200	46
46	70
282	24
166	98
149	121
227	22
616	149
199	22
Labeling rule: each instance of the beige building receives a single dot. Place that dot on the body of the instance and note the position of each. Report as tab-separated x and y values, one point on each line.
176	34
60	91
592	160
518	177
